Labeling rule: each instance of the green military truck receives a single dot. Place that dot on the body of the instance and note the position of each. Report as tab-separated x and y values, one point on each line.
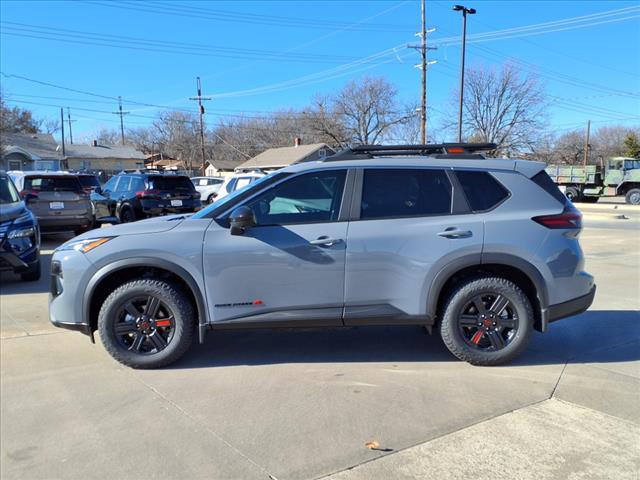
617	176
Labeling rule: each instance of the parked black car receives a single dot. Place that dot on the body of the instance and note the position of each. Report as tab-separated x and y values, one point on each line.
127	197
19	234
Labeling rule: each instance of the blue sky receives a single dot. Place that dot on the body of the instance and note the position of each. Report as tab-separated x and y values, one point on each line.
258	57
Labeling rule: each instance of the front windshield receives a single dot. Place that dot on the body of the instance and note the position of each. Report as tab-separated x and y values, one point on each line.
8	192
204	213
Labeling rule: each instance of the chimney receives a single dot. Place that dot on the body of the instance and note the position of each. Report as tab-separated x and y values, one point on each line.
296	142
95	143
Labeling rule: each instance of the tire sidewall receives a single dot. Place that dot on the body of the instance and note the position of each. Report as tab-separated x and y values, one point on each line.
170	296
453	336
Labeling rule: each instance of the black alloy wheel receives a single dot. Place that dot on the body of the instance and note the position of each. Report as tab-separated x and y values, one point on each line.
488	322
144	325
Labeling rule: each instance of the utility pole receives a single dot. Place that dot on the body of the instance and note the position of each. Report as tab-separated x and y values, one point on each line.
586	144
62	130
69	121
200	98
122	114
465	11
423	66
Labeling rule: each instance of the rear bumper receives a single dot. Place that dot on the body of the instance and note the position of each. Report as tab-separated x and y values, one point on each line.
64	222
569	308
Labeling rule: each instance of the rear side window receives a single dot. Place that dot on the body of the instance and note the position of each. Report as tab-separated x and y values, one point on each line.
483	192
543	180
170	183
389	193
88	181
52	184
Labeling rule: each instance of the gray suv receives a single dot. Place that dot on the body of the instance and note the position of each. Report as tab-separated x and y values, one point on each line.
485	250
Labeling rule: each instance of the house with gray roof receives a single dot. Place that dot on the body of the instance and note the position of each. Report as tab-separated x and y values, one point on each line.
29	151
276	158
110	158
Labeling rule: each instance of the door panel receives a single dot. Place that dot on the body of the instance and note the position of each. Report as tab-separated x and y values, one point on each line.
273	269
392	262
289	266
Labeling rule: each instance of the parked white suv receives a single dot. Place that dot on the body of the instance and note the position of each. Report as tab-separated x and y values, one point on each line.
238	181
208	187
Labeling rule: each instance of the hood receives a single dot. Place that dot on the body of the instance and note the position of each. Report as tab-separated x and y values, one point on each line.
10	211
150	225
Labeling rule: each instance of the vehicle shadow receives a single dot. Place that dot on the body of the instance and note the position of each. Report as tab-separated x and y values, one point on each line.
12	284
590	337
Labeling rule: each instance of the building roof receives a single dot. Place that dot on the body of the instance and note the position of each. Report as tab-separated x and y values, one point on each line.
281	157
224	163
103	151
34	145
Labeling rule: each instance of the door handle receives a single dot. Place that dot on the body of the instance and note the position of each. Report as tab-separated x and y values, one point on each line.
325	241
454	232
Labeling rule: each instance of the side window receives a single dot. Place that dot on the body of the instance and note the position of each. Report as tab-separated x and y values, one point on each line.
123	184
409	192
111	184
242	182
231	186
483	192
307	198
137	184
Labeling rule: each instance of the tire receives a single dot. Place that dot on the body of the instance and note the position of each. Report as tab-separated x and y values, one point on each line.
492	343
33	274
145	343
572	194
633	196
127	215
211	198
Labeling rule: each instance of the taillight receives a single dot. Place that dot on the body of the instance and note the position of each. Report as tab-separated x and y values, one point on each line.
570	218
24	193
195	195
148	194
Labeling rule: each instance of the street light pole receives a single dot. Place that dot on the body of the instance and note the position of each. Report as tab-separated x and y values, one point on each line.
464	11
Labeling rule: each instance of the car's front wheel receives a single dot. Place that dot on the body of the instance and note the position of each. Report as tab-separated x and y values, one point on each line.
487	321
147	323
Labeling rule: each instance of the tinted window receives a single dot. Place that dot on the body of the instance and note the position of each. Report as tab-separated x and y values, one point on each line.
111	184
483	192
231	186
405	193
312	197
543	180
123	184
8	193
52	184
88	181
170	183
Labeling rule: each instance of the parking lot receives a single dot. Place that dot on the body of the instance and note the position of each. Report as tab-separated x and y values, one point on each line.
304	404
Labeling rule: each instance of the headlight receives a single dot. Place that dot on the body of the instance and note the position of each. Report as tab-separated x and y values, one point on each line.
84	246
21	233
26	217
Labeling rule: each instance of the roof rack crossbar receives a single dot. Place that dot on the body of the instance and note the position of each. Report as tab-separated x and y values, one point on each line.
368	151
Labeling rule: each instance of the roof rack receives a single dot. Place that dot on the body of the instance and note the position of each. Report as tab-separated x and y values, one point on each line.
442	150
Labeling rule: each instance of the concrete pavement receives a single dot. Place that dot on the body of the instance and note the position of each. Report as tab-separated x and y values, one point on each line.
302	404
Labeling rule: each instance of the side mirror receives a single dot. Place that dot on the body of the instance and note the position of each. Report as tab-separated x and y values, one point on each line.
241	219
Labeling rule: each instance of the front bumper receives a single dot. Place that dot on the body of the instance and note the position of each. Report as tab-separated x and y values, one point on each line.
570	308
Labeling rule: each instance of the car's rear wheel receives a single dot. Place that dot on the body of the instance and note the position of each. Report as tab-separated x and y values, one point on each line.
572	194
146	323
212	198
633	196
487	321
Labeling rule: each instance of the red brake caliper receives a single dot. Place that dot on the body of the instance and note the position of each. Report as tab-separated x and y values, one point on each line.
477	336
163	323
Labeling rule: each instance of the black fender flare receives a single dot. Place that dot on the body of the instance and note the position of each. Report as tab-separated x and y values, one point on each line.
177	270
505	259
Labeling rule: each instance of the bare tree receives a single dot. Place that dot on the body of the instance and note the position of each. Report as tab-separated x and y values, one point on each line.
363	112
49	126
503	107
